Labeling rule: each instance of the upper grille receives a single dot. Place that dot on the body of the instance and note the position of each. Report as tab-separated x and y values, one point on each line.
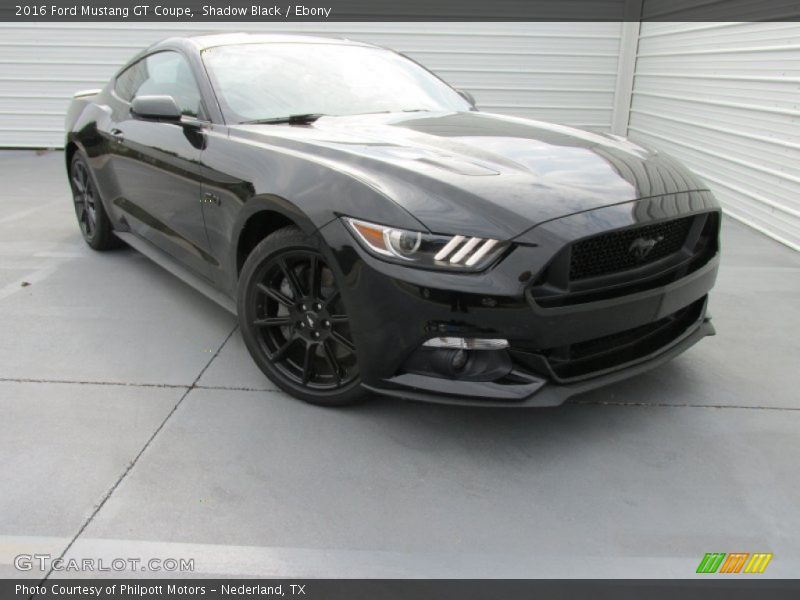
628	249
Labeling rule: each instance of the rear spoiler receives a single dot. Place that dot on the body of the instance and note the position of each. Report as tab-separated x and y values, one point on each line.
84	93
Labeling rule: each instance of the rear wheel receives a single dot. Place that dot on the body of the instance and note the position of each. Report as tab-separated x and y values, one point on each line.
294	322
92	218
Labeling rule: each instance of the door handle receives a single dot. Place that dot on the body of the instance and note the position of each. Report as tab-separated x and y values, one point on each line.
118	135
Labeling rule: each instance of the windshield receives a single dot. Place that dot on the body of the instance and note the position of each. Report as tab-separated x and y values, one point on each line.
273	80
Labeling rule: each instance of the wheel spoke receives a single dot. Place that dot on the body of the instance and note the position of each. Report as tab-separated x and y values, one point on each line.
84	177
308	361
331	358
76	181
274	294
338	318
294	282
273	322
281	352
89	220
338	337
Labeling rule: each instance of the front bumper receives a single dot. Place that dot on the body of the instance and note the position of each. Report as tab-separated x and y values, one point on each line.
394	310
540	393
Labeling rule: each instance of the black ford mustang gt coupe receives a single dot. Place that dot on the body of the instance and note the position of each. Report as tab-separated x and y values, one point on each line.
375	232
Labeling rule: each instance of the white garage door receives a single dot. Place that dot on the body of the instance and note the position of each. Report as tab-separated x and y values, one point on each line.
725	98
562	72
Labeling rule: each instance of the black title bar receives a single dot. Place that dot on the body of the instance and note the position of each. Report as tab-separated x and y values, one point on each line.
399	10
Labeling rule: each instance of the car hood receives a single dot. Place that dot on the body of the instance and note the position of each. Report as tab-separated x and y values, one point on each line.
478	173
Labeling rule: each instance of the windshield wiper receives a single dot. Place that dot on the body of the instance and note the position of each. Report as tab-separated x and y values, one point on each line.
300	119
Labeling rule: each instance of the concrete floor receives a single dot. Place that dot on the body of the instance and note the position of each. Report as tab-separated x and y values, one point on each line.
134	424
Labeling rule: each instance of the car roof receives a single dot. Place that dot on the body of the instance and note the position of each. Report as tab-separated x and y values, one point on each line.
202	42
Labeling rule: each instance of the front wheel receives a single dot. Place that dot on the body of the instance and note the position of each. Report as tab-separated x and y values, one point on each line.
294	322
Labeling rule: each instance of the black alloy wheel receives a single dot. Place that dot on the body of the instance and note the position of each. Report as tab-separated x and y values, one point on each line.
85	198
294	321
92	218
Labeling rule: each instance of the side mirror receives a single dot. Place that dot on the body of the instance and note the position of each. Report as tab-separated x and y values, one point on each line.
467	96
156	107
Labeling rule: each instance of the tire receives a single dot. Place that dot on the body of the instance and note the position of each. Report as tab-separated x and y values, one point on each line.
294	322
93	221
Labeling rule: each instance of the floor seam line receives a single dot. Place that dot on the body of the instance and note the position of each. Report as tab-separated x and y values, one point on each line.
214	357
235	389
111	383
136	458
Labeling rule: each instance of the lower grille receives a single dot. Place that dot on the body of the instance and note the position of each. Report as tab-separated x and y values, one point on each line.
591	357
622	250
613	350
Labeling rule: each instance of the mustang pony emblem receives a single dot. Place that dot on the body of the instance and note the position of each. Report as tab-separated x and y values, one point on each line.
641	247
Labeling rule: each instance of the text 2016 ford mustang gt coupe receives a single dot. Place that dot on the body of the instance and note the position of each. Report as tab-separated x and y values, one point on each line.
374	231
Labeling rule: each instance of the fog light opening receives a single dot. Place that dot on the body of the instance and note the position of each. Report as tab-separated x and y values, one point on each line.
459	363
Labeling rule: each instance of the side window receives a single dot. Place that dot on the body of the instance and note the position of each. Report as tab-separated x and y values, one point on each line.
161	74
130	79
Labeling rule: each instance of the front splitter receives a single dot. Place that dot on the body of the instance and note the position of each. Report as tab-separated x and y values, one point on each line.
543	393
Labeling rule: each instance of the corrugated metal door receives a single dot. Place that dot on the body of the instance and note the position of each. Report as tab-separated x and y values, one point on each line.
725	98
562	72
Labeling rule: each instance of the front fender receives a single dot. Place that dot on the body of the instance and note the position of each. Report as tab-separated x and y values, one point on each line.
247	178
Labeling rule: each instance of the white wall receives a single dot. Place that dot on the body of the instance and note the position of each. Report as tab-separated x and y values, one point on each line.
562	72
725	99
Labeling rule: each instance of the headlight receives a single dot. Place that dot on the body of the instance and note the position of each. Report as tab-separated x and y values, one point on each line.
456	252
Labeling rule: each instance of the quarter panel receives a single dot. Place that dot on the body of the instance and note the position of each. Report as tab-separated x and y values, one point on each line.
89	128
